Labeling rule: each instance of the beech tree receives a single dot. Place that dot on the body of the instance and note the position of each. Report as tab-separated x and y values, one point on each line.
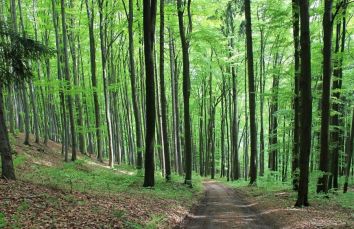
150	8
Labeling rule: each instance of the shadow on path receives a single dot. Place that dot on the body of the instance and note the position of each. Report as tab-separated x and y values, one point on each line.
224	207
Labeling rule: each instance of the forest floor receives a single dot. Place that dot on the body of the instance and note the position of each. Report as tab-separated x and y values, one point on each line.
224	206
49	193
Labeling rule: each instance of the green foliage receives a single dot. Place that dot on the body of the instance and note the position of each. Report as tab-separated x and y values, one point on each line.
3	222
15	53
80	176
155	222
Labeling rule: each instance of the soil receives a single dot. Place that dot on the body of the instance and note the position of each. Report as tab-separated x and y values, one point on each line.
224	207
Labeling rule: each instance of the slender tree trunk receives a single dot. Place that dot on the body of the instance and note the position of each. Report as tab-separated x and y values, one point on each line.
186	88
68	84
90	16
59	73
322	185
296	143
150	7
336	139
235	128
103	39
252	93
306	104
7	167
350	150
163	92
133	77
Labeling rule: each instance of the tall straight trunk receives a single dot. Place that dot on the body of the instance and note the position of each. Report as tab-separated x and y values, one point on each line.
68	84
252	93
34	111
103	39
163	93
75	70
296	101
262	86
235	128
306	104
133	77
273	127
10	87
350	150
23	88
7	167
222	134
322	185
150	7
336	136
90	16
26	111
175	104
201	142
186	88
59	73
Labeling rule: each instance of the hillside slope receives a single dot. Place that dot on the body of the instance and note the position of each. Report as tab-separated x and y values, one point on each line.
50	193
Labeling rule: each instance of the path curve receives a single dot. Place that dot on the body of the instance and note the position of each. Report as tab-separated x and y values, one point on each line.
223	207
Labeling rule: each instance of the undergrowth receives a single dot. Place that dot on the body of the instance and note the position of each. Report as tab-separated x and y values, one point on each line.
269	184
82	177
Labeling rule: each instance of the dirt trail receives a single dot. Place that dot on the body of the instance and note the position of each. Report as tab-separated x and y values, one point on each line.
224	207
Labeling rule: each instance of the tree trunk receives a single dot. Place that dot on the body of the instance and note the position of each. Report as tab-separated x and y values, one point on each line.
296	143
252	93
90	16
133	77
322	185
163	93
350	150
103	39
186	88
306	104
7	167
68	84
150	7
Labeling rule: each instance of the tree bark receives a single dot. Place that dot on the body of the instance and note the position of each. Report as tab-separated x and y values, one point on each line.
306	104
68	84
133	77
296	143
186	88
252	94
322	185
7	167
163	92
150	7
90	16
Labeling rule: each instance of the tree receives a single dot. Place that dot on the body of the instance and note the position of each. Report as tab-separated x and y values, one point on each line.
104	52
350	150
149	7
90	16
296	143
166	147
252	93
322	185
15	52
68	84
7	167
133	79
306	104
186	86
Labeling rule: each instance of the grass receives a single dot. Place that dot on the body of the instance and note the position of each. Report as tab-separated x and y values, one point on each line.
3	222
83	177
268	185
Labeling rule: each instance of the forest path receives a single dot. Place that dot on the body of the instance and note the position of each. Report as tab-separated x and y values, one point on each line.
224	207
